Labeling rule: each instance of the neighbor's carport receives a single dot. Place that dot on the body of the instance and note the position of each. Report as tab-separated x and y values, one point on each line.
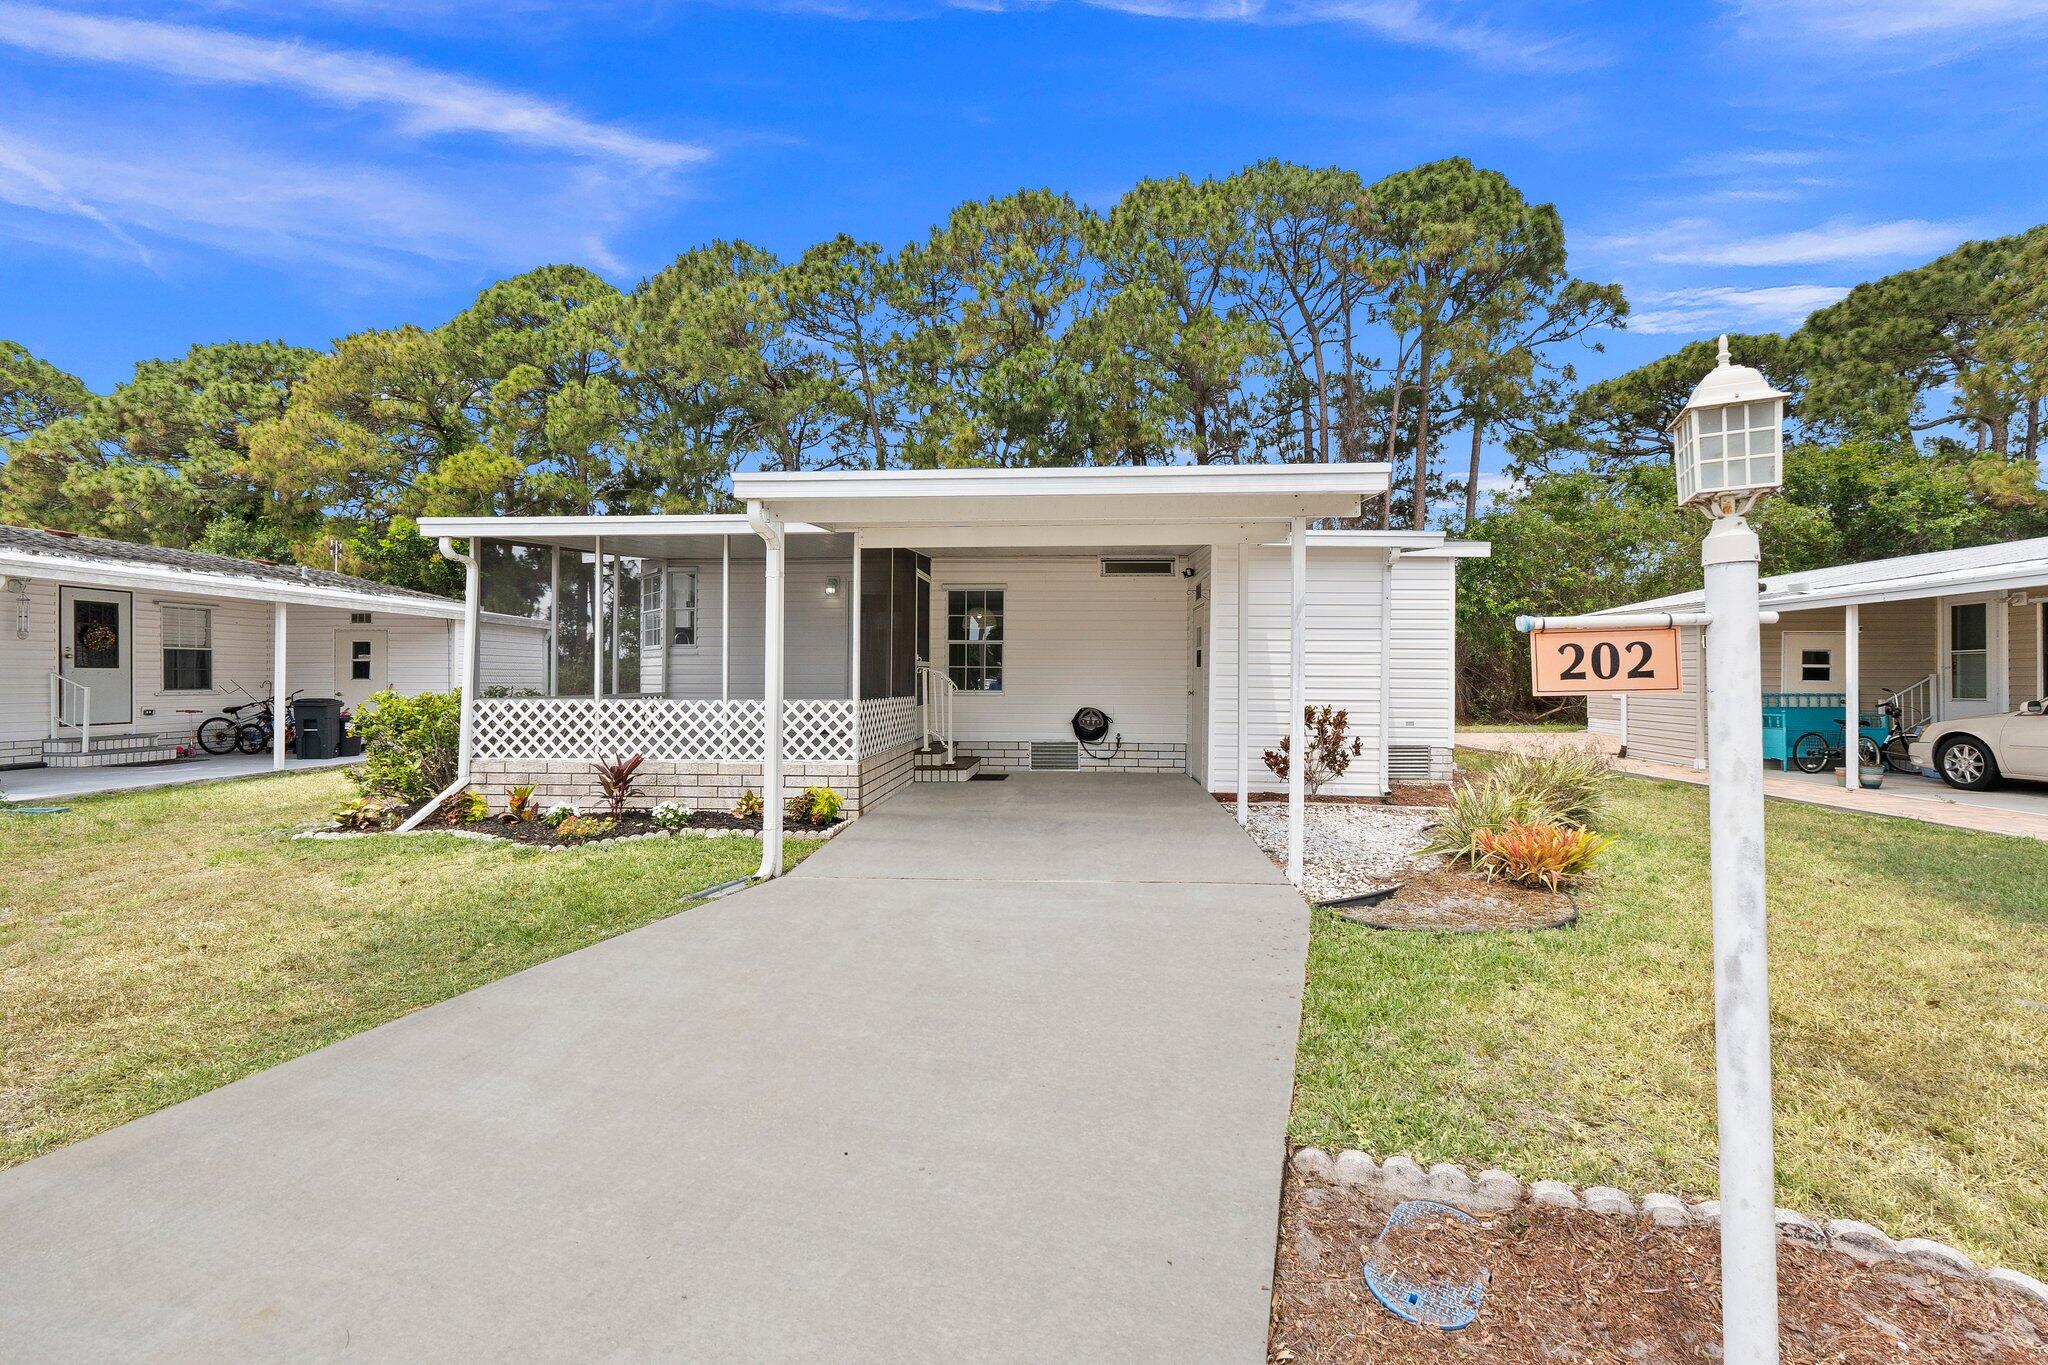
1002	1074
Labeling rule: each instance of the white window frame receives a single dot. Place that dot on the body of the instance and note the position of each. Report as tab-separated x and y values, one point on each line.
676	604
653	610
1949	652
164	647
1791	667
945	603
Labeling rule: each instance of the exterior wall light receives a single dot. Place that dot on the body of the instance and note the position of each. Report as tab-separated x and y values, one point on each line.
831	587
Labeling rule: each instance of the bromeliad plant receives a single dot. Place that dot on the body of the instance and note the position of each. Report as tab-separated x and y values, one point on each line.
616	777
1546	855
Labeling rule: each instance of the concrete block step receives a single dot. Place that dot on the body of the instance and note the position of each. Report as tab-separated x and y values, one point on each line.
960	770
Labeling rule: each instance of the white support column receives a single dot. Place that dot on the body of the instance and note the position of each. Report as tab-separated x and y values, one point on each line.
278	652
1244	649
1852	686
770	528
472	617
1297	726
597	646
725	619
853	640
1624	726
1387	673
1742	1013
617	613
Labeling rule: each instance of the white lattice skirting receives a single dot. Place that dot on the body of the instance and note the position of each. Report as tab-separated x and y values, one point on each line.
672	730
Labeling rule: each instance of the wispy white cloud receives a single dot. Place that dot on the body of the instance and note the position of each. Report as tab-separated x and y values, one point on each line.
1839	241
424	101
1890	21
161	196
1696	312
1749	161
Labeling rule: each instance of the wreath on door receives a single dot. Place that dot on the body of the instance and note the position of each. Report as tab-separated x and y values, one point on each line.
98	638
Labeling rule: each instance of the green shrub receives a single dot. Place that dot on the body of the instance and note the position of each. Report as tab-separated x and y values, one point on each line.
466	808
362	813
1477	809
579	829
748	807
409	743
817	806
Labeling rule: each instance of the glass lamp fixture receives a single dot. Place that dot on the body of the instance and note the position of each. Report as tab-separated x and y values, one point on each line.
1728	444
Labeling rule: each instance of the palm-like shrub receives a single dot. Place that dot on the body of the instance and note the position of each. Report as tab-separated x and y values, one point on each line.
616	777
1567	782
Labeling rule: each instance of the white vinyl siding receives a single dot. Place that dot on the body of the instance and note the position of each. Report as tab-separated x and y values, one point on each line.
509	656
1423	689
815	631
1342	665
1074	638
1665	727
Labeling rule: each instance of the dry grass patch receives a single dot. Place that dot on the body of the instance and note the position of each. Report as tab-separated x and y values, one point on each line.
154	945
1909	981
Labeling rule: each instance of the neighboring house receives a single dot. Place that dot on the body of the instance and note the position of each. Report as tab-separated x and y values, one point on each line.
113	653
970	614
1952	634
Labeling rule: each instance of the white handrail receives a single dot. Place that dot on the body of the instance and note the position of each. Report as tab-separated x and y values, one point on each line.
58	682
936	693
1915	702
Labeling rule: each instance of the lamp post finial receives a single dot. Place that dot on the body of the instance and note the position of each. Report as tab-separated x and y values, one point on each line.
1722	357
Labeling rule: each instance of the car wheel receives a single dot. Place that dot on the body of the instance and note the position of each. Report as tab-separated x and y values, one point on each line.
1966	762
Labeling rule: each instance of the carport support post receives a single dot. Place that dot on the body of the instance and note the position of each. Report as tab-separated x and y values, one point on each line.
472	618
1852	685
1742	1007
1244	649
1297	702
769	526
277	685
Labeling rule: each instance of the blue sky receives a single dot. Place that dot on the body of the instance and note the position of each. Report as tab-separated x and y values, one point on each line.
177	173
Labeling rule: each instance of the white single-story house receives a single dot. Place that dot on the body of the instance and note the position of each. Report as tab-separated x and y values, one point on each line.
1947	635
865	629
113	653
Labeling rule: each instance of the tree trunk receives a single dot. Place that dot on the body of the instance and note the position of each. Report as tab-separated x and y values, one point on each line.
1472	477
2033	436
1200	422
1419	515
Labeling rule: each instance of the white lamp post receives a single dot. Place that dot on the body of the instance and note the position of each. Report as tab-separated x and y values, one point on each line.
1728	449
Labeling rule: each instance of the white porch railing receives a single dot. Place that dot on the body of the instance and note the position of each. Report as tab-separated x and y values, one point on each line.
1915	703
674	730
58	682
935	694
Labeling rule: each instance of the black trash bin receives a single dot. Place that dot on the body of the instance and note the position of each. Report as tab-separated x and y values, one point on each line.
319	726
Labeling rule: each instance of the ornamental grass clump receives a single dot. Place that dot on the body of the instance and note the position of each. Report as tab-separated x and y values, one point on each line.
1566	783
1529	820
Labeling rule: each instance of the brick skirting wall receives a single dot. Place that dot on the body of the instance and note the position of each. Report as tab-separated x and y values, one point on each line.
1014	756
701	786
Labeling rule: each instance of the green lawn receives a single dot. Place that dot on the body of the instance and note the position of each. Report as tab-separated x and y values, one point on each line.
157	944
1909	980
1534	727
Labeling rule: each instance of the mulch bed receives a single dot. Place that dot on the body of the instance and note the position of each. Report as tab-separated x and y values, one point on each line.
1568	1285
1455	899
632	824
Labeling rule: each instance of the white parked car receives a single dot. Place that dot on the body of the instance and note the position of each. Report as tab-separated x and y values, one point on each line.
1975	753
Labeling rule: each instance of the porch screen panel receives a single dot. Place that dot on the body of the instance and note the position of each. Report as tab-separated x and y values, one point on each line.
903	625
516	580
573	639
876	588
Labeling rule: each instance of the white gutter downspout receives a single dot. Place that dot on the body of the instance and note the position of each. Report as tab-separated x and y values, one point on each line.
1387	674
769	527
472	612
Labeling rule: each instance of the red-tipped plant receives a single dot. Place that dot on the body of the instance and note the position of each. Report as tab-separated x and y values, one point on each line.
615	778
1330	749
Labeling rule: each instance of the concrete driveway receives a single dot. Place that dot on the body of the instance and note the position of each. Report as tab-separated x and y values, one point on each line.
1002	1074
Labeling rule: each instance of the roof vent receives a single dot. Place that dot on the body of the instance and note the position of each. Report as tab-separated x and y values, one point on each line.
1138	568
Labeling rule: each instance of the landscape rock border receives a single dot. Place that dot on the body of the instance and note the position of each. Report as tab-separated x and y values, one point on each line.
1496	1191
485	836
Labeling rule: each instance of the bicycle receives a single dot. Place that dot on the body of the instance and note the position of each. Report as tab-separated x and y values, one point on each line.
1814	752
221	733
256	734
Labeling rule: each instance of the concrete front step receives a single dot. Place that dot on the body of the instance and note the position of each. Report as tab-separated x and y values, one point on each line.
109	751
934	768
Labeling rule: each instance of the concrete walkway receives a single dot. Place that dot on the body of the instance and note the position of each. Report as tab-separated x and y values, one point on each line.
58	784
2019	809
1001	1074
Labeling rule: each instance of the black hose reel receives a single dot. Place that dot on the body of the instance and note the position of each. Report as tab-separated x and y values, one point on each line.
1091	726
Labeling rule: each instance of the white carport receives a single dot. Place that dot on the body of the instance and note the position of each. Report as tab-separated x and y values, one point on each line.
1093	508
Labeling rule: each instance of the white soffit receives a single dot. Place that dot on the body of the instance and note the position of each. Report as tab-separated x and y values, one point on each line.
1091	502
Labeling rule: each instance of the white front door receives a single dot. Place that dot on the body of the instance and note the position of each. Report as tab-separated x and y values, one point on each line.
1972	639
1198	682
95	650
1811	661
360	667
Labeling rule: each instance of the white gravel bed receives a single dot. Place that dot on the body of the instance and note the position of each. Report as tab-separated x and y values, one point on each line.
1348	849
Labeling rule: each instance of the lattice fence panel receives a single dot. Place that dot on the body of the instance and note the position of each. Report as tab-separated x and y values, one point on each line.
663	729
887	722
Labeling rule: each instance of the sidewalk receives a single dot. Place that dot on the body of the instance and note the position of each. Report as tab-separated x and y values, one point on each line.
2020	811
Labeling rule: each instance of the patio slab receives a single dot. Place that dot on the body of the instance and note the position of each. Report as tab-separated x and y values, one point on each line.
57	784
846	1116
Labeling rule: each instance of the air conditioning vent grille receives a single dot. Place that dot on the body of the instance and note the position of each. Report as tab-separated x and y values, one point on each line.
1411	762
1055	756
1138	568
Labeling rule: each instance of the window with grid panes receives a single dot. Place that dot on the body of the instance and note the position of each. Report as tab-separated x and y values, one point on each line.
974	638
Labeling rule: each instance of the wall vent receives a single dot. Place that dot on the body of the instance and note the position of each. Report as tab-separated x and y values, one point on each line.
1055	756
1148	567
1411	762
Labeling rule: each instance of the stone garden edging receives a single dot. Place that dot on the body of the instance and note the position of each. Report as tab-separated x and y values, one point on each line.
485	836
1496	1191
